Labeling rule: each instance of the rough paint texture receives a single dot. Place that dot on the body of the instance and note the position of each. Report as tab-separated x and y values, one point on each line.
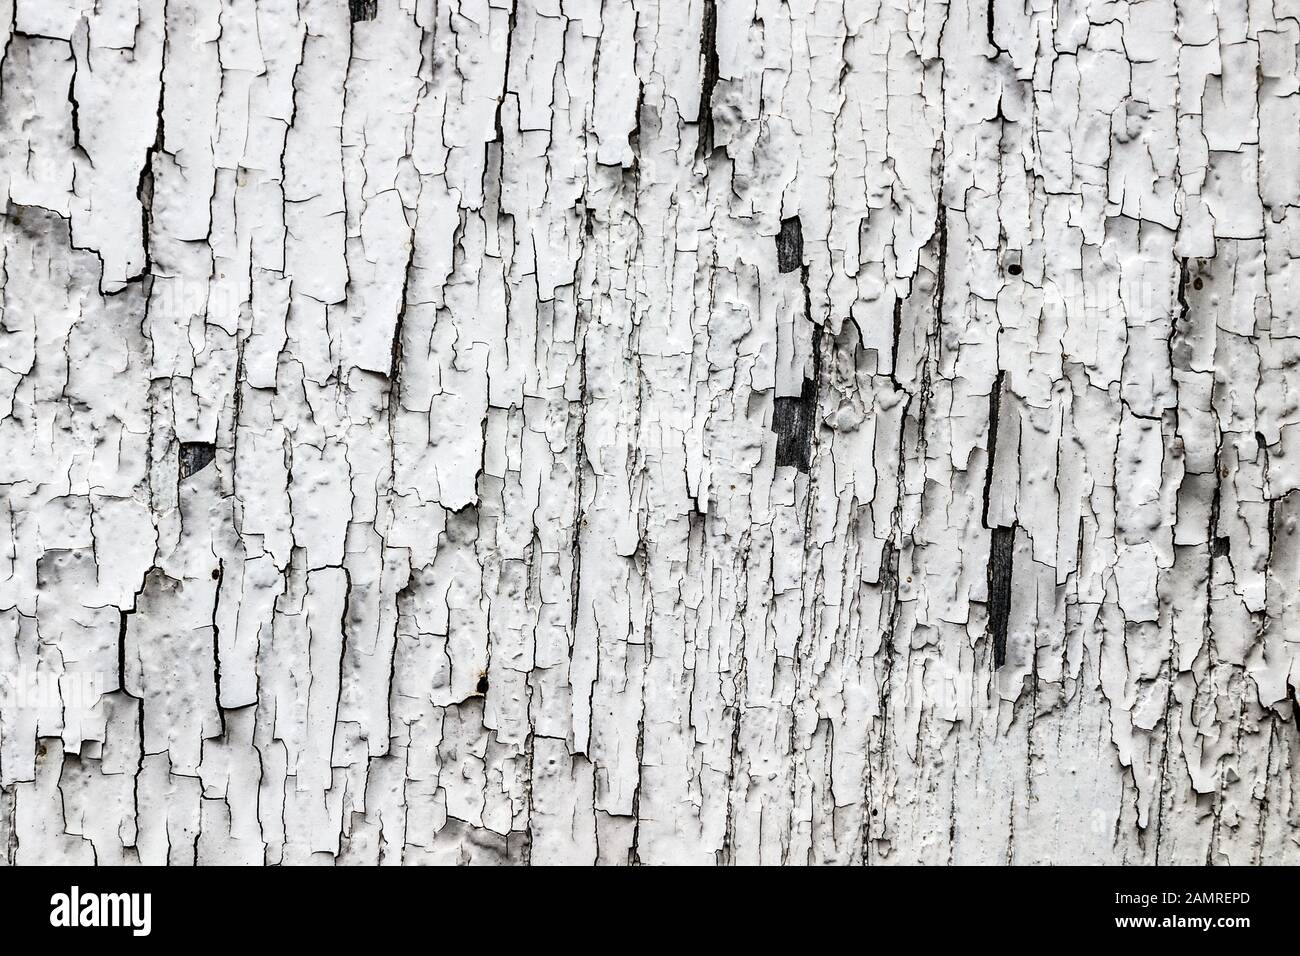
662	431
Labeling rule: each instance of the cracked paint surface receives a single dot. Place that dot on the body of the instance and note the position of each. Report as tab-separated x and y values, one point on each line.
661	431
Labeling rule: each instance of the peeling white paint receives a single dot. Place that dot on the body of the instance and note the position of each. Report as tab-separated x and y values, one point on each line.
664	431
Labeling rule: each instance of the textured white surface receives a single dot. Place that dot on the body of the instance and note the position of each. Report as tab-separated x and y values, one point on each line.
650	430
